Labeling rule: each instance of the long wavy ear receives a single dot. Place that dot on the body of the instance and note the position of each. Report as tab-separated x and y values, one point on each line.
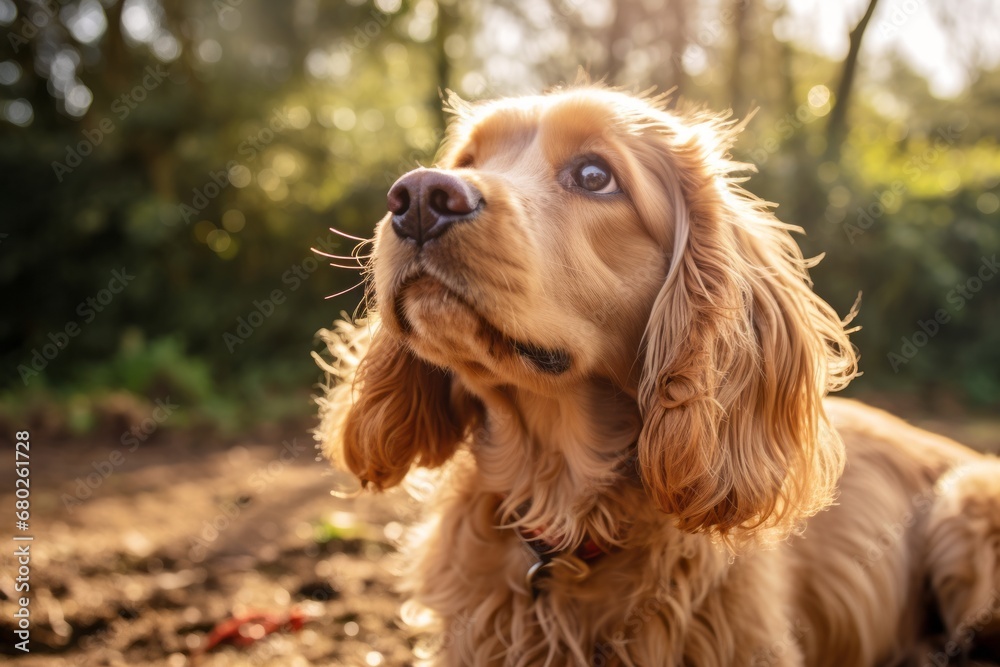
384	409
739	350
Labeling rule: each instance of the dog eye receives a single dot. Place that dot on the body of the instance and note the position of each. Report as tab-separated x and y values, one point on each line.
594	175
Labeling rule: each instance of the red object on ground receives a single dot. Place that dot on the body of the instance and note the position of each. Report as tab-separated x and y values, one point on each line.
252	626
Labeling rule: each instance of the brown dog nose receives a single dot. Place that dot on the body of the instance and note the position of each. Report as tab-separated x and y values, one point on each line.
425	203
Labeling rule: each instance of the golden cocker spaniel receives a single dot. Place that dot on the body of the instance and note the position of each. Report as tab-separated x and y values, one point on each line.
614	354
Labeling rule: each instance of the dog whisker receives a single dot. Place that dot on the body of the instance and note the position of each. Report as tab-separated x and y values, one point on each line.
353	287
348	257
348	236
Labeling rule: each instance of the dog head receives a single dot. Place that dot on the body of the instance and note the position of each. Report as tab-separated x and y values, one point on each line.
592	234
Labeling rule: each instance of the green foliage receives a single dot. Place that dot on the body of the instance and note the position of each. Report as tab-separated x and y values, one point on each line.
906	218
156	368
274	121
324	531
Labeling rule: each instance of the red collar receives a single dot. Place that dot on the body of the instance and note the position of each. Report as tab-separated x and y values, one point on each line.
588	552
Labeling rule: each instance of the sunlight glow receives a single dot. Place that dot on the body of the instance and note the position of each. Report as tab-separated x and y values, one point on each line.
86	22
8	12
78	100
166	47
139	20
10	72
18	112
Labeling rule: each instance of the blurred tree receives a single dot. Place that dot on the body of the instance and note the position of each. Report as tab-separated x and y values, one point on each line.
845	85
205	147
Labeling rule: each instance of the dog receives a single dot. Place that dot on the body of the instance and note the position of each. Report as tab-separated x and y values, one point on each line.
614	356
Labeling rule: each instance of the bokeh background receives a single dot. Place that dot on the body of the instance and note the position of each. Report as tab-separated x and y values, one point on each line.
167	166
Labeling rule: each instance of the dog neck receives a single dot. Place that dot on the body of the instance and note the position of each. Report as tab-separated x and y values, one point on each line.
562	464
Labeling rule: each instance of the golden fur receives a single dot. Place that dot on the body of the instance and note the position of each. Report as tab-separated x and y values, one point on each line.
690	434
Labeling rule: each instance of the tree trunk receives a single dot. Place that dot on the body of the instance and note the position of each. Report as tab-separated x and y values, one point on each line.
447	20
619	29
737	75
836	128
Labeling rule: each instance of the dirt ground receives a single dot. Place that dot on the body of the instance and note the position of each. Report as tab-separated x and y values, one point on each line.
138	556
190	529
